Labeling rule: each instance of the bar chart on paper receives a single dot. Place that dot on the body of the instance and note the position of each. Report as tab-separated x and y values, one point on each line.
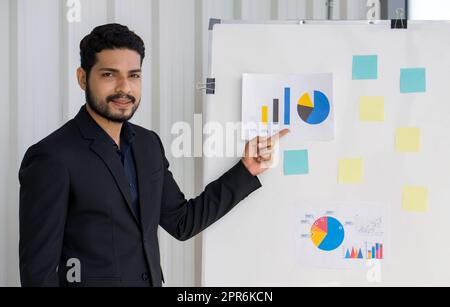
301	103
342	235
375	251
311	111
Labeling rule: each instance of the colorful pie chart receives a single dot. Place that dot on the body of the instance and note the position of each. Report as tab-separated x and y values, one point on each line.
313	111
327	233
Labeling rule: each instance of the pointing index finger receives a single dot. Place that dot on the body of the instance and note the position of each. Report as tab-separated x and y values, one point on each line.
280	134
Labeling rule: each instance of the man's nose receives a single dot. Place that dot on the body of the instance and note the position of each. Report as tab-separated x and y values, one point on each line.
123	86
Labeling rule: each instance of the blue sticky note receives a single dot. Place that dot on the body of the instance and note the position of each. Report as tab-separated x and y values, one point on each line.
413	80
296	162
365	67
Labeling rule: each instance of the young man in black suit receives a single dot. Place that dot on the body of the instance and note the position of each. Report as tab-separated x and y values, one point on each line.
97	189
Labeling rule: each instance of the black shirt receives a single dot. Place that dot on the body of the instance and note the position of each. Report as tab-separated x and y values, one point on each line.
126	156
125	153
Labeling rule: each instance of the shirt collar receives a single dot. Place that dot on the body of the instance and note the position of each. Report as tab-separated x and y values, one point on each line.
127	134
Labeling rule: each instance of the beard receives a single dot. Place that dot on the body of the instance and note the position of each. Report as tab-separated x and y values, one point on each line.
103	109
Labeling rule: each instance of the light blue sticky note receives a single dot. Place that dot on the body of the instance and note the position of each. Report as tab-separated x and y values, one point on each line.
365	67
296	162
413	80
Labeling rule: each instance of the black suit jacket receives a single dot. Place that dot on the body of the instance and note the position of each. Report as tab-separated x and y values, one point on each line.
75	203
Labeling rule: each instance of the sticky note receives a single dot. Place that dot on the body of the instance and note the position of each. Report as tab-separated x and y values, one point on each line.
413	80
365	67
371	109
351	171
408	140
296	162
415	198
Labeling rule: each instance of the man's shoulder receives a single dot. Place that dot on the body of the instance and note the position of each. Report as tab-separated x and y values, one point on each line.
59	141
148	135
67	141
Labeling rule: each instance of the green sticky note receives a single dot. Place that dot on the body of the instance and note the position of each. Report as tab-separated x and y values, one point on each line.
296	162
415	199
408	140
371	109
351	171
413	80
365	67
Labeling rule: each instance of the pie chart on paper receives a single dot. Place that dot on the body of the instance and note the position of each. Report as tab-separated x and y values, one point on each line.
327	234
313	109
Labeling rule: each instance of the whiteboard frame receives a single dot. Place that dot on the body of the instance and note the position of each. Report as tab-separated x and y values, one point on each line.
298	22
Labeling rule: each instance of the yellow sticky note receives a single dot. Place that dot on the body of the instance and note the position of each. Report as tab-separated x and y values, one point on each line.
415	199
371	109
351	171
408	140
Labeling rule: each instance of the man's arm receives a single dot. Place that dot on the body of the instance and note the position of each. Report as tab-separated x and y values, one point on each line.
184	219
44	190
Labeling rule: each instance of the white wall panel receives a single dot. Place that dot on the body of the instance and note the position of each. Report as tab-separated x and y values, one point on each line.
293	9
357	9
177	103
256	9
4	134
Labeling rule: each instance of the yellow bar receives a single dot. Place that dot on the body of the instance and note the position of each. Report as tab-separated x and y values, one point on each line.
265	114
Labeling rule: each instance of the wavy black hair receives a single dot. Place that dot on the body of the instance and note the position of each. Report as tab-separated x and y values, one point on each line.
108	37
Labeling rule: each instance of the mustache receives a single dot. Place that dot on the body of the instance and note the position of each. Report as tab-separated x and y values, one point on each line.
119	96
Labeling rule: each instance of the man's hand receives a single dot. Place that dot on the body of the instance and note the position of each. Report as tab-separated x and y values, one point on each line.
259	153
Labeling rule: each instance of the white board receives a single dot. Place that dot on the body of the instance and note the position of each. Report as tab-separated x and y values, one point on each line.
254	245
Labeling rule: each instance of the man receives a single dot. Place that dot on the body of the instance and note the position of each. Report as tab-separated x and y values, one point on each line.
97	189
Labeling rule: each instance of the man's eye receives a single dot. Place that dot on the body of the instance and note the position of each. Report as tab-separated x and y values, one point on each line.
107	74
135	76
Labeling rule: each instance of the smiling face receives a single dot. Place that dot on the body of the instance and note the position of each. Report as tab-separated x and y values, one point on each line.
113	86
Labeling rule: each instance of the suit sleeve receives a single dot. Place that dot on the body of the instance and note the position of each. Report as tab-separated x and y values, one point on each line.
44	192
184	219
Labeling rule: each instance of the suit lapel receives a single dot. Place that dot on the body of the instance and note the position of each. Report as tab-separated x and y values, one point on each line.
144	168
103	150
91	131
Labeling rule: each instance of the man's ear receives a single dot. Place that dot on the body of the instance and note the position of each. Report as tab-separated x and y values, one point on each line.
82	78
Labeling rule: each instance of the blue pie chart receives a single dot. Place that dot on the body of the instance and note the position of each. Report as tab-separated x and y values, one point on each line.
327	233
314	110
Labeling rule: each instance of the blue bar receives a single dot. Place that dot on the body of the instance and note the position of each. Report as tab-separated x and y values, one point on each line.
374	255
287	106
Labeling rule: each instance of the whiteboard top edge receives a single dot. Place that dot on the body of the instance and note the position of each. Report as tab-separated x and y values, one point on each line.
328	22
